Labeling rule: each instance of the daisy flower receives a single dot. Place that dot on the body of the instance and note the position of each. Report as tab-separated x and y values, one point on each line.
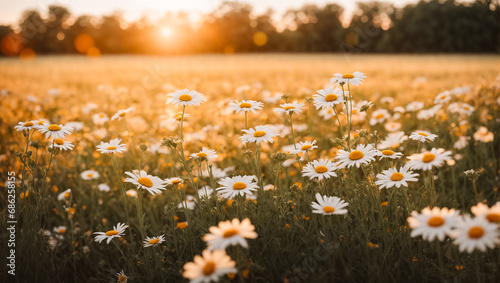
414	106
392	126
89	175
328	97
142	180
153	241
461	108
117	232
432	224
319	169
121	114
260	134
245	106
387	153
206	191
483	135
393	140
122	278
77	126
21	126
237	185
379	116
461	142
62	144
289	108
60	229
103	187
475	233
230	233
363	154
113	146
327	113
303	147
329	205
355	78
209	154
174	181
492	214
423	136
177	118
64	195
100	118
186	97
271	97
442	97
427	160
188	203
392	177
209	267
55	131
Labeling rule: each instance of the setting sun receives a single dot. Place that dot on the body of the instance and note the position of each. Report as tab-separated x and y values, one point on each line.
166	31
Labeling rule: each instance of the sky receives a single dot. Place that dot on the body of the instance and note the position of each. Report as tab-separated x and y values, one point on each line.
11	10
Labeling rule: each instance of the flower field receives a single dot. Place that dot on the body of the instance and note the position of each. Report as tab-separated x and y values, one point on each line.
253	168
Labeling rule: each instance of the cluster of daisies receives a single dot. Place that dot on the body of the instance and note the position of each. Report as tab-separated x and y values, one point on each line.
55	132
469	233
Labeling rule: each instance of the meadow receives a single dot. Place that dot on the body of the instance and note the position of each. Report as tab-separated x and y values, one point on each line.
432	118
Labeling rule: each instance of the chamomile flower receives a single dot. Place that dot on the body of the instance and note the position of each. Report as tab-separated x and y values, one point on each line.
230	233
176	119
289	108
423	136
103	187
328	97
21	126
320	169
89	175
260	134
117	232
379	116
432	224
327	113
483	135
209	154
143	180
188	203
206	191
100	118
55	131
387	153
246	106
122	278
414	106
64	195
329	205
121	114
442	97
60	229
492	214
475	233
303	147
62	144
174	181
427	160
392	126
392	177
363	154
209	267
153	241
461	108
113	146
186	97
355	78
462	142
237	185
393	140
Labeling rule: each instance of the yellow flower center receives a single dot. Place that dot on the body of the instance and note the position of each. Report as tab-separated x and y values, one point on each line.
476	232
54	127
428	157
28	124
354	111
320	169
201	154
229	233
185	97
435	221
66	195
239	186
181	225
356	155
387	152
331	97
306	147
209	268
466	108
122	278
493	217
111	148
154	241
90	175
348	76
176	181
101	115
111	233
40	123
397	176
259	134
178	116
289	107
59	141
62	231
122	114
442	96
328	209
423	134
146	182
379	116
245	105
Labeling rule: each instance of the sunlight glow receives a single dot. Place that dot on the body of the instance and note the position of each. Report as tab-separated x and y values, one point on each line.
166	31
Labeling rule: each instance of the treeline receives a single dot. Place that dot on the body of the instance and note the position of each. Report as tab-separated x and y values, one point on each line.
434	26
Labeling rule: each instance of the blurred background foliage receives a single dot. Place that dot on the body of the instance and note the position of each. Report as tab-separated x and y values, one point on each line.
432	26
